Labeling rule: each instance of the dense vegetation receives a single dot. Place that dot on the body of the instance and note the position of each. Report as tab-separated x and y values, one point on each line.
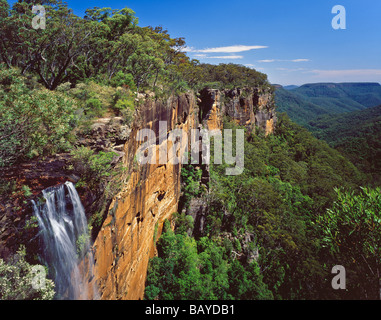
268	233
107	46
297	108
95	65
21	281
357	135
329	112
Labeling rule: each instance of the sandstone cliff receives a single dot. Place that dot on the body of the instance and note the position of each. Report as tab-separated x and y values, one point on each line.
125	242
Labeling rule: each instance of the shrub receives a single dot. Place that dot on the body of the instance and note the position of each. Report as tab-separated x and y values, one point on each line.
90	166
33	122
21	281
93	106
122	79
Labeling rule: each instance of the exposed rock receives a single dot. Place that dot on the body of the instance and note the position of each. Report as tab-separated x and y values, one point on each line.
198	210
125	243
250	107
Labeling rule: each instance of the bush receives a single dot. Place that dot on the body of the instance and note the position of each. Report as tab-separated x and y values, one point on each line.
33	122
122	79
90	166
21	281
93	106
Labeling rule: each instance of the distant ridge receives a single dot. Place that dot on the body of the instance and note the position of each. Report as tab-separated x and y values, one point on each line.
290	87
310	100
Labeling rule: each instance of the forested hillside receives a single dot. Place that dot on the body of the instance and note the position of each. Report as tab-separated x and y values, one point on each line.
357	135
266	232
329	112
303	104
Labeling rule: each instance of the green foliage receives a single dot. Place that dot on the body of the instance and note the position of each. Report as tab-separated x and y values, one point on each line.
83	242
330	112
94	105
125	80
92	168
7	187
357	136
288	181
124	105
297	107
34	121
191	178
352	232
186	269
229	76
18	280
27	191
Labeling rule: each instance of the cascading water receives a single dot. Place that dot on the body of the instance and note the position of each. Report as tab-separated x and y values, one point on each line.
67	250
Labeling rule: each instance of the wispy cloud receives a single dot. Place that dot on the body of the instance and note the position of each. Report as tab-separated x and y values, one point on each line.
291	69
281	60
224	57
228	49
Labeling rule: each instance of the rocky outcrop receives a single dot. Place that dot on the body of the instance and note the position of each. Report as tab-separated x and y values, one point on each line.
125	243
249	107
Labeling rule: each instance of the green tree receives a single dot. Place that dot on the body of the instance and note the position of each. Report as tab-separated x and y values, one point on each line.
33	122
21	281
352	232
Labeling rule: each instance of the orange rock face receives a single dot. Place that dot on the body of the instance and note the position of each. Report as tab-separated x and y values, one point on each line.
126	241
151	194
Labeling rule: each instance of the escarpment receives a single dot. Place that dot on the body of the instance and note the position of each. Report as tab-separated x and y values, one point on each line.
151	193
250	107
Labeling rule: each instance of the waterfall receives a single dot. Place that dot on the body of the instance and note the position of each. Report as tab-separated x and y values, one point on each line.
66	242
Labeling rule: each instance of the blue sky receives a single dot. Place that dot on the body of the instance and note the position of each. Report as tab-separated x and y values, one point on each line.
290	40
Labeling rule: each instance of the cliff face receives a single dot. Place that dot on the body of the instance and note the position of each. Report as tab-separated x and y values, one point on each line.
126	240
151	195
249	107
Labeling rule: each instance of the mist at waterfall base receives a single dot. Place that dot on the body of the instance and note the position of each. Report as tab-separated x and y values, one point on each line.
66	243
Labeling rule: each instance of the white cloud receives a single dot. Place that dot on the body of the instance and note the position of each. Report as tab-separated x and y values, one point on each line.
228	49
224	57
280	60
186	49
291	70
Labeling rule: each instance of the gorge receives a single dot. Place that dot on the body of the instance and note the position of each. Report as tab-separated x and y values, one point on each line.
126	240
